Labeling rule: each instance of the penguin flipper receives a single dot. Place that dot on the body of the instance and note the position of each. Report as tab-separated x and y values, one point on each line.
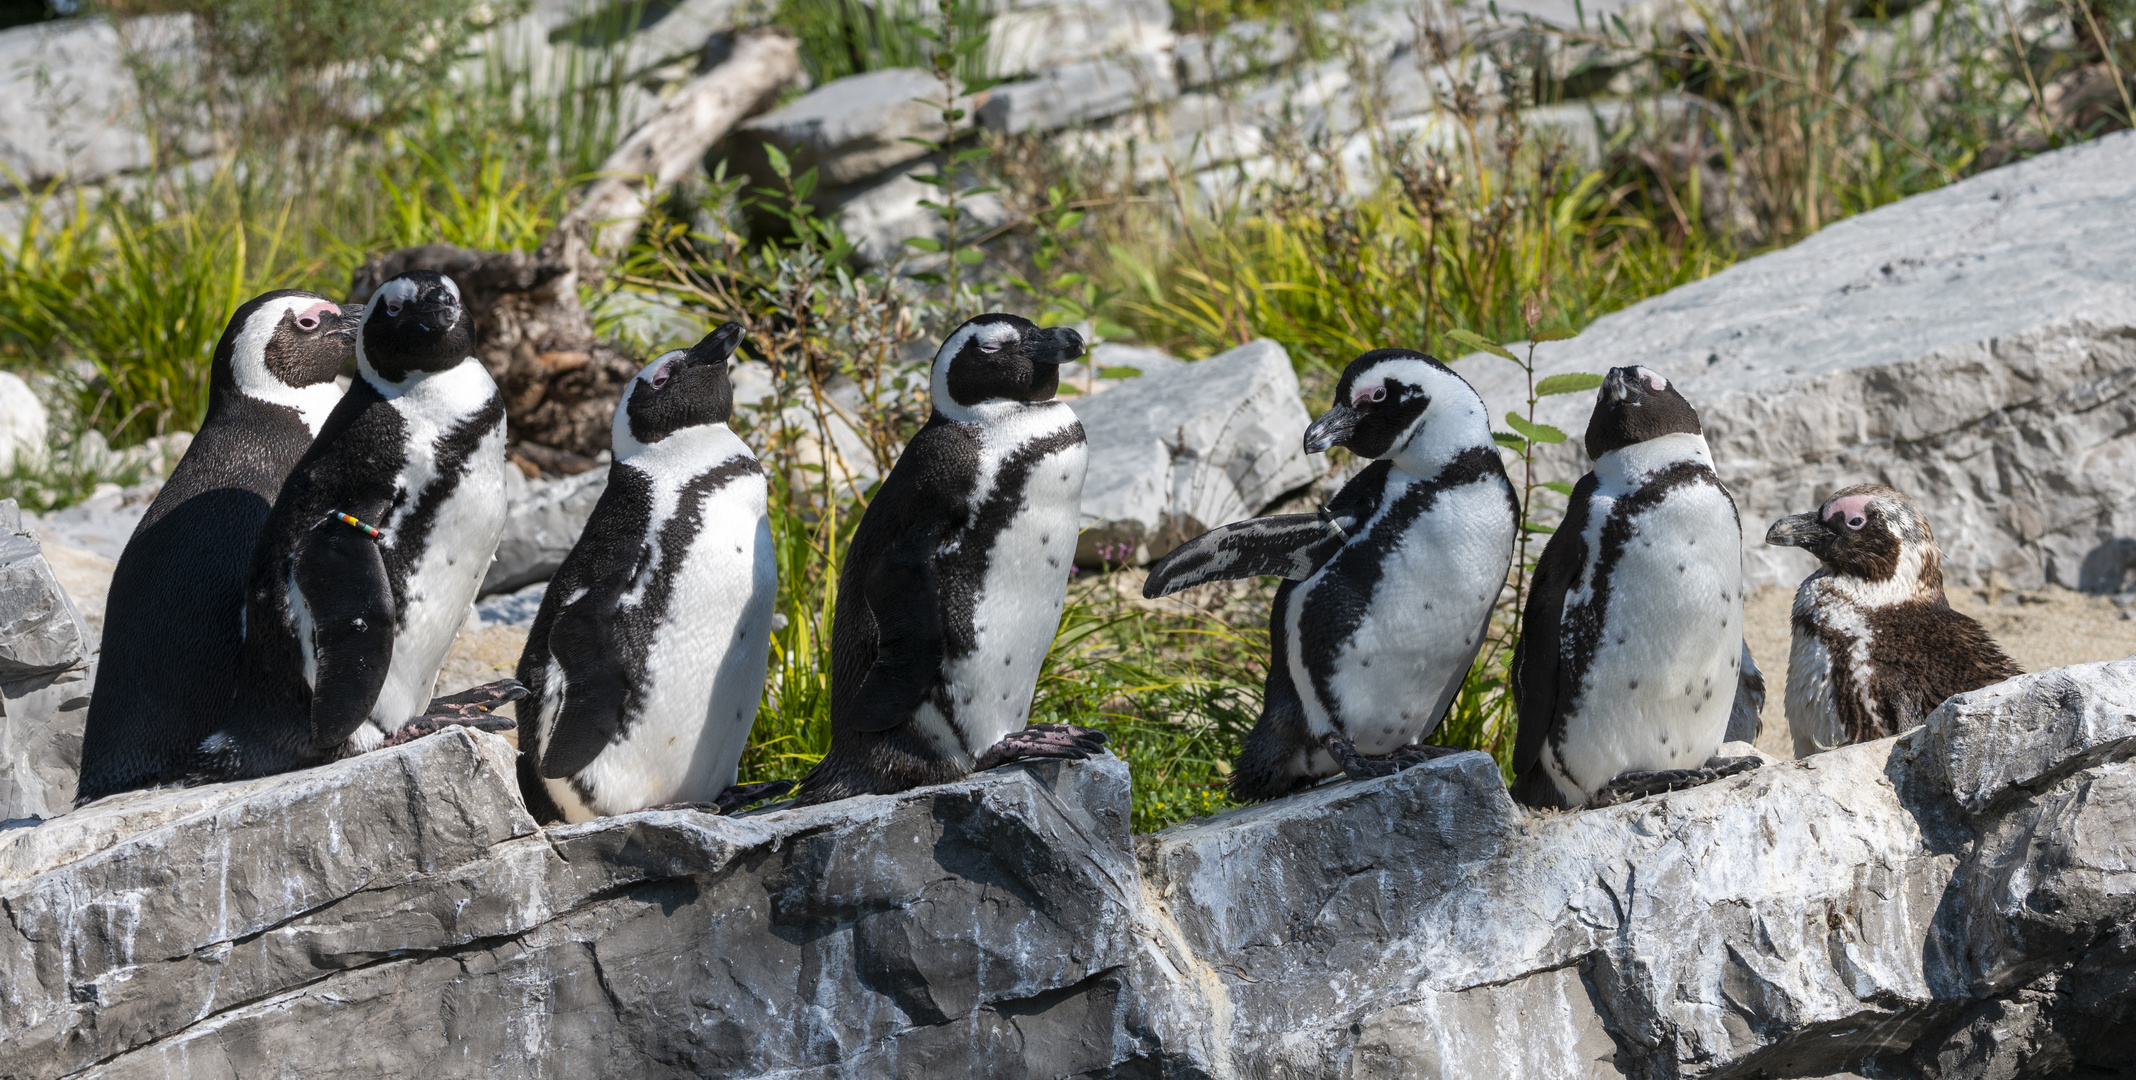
584	642
1744	723
1289	546
341	576
1536	657
903	595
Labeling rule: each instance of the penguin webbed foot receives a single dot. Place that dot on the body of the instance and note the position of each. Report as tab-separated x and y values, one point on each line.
1638	785
741	795
1042	742
1357	766
468	708
734	798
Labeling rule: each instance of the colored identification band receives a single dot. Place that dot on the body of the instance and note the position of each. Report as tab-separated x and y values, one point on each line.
359	526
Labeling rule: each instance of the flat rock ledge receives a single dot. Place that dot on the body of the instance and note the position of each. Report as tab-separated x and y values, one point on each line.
1956	902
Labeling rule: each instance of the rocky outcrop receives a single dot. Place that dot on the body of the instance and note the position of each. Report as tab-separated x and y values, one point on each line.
1956	902
543	520
45	668
1974	346
1185	448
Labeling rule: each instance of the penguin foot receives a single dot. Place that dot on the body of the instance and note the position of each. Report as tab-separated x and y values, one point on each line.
468	708
1040	742
1357	766
741	795
734	798
1638	785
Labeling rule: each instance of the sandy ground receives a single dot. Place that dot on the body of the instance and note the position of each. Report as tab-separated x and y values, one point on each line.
480	656
86	576
2046	628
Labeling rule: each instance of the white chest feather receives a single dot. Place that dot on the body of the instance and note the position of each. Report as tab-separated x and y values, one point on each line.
1815	683
1018	605
707	647
1390	681
1661	677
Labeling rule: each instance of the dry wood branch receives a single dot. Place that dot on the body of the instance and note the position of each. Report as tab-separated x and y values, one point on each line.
665	148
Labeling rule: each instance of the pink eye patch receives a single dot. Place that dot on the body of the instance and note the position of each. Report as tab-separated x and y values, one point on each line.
1377	393
311	317
1855	509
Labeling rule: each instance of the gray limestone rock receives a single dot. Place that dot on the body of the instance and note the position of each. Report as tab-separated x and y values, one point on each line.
71	98
24	421
1974	346
850	129
1075	93
40	632
1182	450
398	913
879	216
41	721
1035	37
1236	50
544	520
46	668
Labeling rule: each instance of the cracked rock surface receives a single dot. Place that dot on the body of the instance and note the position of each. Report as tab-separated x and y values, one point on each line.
1957	902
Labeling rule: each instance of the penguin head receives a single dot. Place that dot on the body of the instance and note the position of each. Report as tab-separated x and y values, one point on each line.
1634	405
1867	531
280	342
999	357
414	323
1393	403
681	388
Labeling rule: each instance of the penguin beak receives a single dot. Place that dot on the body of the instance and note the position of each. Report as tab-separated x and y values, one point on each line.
351	318
1802	531
1055	345
1332	428
717	347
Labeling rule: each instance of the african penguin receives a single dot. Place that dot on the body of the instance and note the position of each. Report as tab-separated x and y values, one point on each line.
645	663
1390	586
372	555
953	583
1876	646
175	614
1632	640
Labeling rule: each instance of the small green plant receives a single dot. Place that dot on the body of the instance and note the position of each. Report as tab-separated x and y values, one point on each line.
1060	293
1482	717
136	290
953	50
848	37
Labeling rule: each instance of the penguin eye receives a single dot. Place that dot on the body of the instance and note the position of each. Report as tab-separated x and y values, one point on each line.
1369	397
660	377
990	347
393	306
1856	521
307	322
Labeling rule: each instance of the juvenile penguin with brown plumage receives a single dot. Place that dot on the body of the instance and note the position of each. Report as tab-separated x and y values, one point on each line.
1876	645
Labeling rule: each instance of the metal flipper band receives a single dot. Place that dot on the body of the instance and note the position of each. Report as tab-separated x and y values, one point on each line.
351	522
1327	517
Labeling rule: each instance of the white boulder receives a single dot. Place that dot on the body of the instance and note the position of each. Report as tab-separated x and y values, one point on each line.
1182	450
1974	346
